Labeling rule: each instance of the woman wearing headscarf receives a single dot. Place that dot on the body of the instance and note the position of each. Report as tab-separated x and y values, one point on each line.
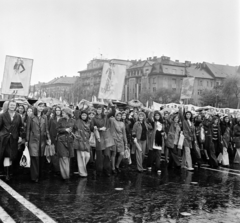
10	134
37	137
100	123
81	142
65	142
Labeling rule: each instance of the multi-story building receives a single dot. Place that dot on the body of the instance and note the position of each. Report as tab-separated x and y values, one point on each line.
91	77
59	87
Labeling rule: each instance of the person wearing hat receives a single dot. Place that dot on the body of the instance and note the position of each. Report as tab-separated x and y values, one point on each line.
37	136
81	142
11	127
65	139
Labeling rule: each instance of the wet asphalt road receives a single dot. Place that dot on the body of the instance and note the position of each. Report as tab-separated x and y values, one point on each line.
146	197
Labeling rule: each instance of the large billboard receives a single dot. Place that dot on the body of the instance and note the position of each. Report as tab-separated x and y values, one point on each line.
17	76
112	81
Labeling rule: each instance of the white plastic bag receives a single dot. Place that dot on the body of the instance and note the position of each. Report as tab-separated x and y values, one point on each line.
180	141
92	140
237	156
225	158
127	155
25	159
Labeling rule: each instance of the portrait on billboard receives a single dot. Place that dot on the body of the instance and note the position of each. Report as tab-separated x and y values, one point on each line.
17	76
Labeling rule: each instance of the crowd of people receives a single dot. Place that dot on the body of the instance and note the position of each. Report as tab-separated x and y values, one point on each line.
103	136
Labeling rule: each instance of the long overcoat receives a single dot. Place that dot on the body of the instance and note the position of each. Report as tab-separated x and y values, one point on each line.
65	139
37	134
10	131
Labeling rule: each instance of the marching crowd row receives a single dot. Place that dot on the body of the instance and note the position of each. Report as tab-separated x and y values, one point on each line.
106	135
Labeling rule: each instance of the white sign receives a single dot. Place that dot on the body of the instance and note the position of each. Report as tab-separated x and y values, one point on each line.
17	76
112	82
187	87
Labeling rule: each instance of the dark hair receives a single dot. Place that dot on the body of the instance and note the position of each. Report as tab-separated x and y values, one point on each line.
26	115
157	113
185	116
24	110
54	112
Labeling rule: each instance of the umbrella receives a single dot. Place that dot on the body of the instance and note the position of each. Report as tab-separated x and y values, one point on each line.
135	103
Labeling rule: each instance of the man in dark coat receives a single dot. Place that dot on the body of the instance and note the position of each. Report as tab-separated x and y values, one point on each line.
10	129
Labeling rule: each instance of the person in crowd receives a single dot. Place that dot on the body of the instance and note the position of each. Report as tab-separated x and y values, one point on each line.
37	136
156	141
21	111
167	124
236	137
212	138
81	142
226	132
189	138
118	131
57	114
91	115
10	135
65	142
172	142
139	133
106	144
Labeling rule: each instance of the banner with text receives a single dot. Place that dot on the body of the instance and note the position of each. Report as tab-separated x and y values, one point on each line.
112	82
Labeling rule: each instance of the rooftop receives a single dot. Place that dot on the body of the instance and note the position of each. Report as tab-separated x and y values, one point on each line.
199	72
222	71
62	80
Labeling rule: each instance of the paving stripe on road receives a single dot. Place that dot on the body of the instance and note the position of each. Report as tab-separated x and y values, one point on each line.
5	217
31	207
223	168
221	171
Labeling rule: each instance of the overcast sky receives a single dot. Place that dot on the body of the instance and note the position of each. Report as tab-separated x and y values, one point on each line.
62	36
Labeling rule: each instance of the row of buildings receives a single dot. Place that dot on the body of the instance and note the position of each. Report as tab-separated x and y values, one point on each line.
148	75
156	73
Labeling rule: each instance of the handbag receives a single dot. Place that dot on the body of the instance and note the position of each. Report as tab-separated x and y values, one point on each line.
180	141
25	159
225	158
49	151
92	140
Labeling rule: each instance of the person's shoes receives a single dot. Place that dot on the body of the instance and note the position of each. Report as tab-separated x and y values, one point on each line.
118	170
114	172
159	171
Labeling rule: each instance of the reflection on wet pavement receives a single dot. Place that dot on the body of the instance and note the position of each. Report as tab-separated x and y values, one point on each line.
146	197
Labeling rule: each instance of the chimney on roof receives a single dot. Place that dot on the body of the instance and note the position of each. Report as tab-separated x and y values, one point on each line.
155	58
177	61
150	58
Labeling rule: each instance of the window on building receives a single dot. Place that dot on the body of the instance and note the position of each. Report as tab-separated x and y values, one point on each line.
154	89
200	83
207	83
182	71
166	69
174	83
174	71
199	92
